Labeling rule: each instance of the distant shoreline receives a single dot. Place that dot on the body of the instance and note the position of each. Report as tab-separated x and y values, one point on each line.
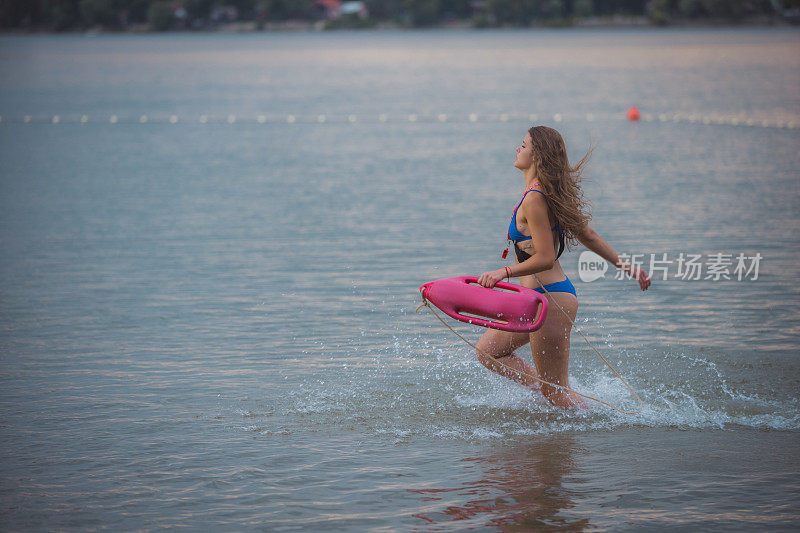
291	26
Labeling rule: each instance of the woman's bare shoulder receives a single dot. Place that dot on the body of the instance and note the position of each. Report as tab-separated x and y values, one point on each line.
534	199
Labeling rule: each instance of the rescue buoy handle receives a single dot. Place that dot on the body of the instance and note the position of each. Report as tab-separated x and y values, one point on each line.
507	307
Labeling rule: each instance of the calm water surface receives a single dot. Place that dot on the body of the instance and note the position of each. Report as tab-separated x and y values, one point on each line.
208	321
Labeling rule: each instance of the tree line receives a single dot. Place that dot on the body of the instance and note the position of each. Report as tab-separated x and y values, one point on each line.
66	15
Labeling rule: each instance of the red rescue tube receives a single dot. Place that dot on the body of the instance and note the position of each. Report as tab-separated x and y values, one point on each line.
513	309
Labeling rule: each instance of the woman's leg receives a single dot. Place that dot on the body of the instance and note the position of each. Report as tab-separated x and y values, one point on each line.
501	345
550	348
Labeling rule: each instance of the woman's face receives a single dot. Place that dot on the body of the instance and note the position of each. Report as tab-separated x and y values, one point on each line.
524	153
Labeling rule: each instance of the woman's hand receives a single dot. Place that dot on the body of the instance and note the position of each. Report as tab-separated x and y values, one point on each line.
638	274
490	279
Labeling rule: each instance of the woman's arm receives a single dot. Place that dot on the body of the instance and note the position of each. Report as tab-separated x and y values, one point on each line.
534	209
589	238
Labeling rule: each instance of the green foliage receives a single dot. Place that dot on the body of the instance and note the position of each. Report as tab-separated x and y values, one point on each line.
553	8
423	12
99	13
350	22
278	10
63	15
514	12
385	9
690	8
159	15
198	9
455	8
660	12
725	8
583	8
482	22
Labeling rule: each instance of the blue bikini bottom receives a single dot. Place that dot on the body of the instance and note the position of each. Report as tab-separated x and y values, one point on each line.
560	286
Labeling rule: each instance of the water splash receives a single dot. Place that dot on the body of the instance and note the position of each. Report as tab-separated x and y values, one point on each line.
418	385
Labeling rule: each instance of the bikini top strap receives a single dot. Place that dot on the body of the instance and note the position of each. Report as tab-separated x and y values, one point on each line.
526	194
556	227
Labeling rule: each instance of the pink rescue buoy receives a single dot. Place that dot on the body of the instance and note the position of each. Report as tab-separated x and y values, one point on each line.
507	307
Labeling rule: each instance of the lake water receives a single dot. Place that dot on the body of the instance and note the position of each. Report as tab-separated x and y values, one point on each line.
210	254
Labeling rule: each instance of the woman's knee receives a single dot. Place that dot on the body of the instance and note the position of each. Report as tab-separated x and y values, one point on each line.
494	347
487	360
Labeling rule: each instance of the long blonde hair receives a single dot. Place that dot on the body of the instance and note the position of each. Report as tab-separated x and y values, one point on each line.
560	181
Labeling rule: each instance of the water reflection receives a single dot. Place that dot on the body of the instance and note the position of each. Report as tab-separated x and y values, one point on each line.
520	486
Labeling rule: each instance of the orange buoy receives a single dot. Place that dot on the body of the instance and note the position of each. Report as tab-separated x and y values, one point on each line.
633	113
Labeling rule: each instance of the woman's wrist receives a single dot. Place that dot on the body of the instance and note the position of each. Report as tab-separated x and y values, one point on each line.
508	273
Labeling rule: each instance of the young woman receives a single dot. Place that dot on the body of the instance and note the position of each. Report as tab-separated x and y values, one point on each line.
551	212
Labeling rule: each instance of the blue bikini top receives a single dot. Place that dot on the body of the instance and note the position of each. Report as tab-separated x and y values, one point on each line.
513	233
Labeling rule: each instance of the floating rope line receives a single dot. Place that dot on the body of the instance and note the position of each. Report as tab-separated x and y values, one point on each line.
537	378
789	122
